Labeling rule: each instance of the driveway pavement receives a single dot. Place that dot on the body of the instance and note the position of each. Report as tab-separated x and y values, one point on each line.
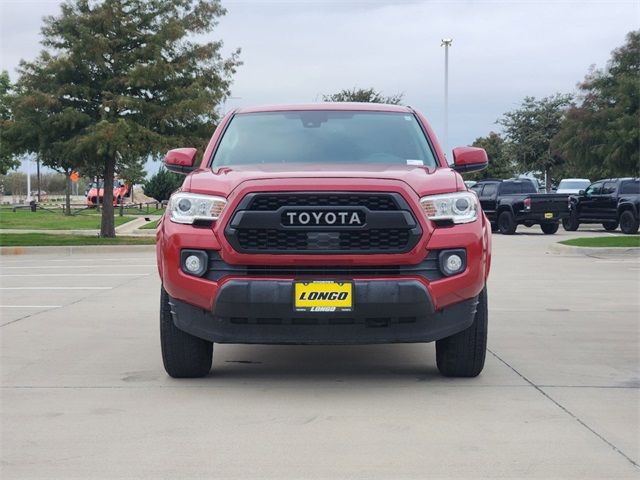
84	394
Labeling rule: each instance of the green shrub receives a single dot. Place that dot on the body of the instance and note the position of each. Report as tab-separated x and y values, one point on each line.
161	185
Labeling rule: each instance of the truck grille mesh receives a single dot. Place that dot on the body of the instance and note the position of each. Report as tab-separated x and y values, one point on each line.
275	201
249	238
281	240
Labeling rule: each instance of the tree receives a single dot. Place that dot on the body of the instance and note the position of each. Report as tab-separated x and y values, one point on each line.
161	185
530	129
131	172
601	136
128	81
41	126
367	95
500	165
7	157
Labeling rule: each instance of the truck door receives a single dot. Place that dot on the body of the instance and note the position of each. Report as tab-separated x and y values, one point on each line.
607	203
587	207
488	200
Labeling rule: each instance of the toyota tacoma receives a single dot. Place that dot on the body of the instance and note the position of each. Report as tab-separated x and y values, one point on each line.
333	223
509	203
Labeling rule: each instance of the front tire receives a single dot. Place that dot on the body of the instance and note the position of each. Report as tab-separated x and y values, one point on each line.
183	355
506	223
628	222
570	223
463	354
549	228
610	226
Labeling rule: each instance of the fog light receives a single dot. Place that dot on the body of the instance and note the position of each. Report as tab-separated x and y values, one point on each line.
452	262
193	264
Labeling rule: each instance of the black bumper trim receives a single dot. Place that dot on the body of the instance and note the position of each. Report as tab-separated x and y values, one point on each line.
538	217
219	269
261	311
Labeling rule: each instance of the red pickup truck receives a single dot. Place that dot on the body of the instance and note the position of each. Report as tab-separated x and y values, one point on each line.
331	223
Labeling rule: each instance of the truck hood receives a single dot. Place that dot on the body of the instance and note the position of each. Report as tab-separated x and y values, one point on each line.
424	181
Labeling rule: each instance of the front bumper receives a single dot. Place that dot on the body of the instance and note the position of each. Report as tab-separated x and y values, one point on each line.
261	311
451	300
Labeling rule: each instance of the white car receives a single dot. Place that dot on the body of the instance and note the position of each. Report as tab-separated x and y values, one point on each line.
572	186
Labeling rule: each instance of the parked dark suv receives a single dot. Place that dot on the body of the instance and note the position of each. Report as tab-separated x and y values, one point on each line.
611	202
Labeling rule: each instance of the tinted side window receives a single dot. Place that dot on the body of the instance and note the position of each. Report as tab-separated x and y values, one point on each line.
528	187
507	188
489	190
632	186
594	189
609	188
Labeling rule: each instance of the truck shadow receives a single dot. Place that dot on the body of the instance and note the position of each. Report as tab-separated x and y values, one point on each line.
325	362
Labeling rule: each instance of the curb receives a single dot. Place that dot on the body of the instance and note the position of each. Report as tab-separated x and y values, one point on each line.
561	249
80	233
76	250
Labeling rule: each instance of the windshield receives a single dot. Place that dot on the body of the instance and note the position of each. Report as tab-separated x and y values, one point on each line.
321	137
573	185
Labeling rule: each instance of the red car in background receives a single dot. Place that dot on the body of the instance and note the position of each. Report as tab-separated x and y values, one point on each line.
95	193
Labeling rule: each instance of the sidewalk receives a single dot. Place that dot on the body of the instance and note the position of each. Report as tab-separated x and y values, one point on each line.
130	228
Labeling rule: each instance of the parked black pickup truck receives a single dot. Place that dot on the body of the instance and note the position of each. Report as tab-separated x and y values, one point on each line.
611	202
509	203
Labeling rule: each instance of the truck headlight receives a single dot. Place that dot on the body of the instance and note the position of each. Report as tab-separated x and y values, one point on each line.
187	207
457	207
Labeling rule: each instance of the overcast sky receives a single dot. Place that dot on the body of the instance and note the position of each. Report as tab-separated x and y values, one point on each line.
295	51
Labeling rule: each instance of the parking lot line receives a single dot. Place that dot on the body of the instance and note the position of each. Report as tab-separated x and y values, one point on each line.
57	267
30	306
56	288
96	274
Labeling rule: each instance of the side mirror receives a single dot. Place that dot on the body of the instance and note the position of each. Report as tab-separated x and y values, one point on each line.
181	160
469	159
581	193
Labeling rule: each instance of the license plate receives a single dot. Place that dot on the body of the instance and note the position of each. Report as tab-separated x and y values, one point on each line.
548	215
323	296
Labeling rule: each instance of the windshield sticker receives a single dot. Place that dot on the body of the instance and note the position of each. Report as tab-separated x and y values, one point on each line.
415	163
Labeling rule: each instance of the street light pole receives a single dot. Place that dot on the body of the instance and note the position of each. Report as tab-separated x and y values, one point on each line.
446	43
29	179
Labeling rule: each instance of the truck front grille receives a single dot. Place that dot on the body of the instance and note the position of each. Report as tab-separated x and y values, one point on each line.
279	240
257	224
275	201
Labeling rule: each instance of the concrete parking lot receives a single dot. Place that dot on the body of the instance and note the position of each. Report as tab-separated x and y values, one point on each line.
84	394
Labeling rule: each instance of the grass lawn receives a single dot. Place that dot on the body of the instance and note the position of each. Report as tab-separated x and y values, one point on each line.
150	225
44	220
608	241
135	211
46	240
